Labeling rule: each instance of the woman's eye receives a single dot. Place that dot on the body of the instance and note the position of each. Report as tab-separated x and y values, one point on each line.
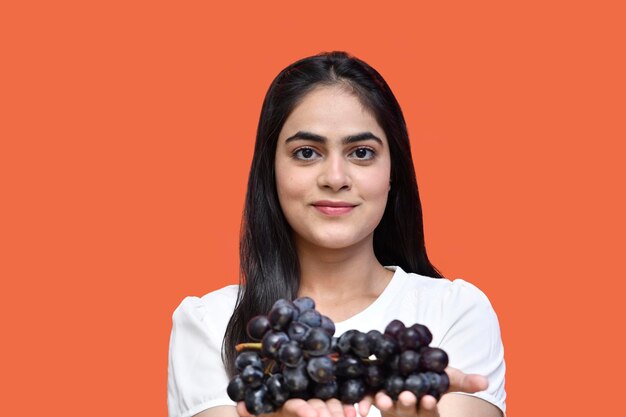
363	154
305	154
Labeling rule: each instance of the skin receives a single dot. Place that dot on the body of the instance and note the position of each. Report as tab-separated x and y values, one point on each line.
338	266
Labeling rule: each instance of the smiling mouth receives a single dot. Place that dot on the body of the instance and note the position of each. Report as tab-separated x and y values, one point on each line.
334	209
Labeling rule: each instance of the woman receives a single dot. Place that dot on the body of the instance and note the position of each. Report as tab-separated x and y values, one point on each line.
333	212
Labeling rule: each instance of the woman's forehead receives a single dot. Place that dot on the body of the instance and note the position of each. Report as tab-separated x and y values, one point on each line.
330	111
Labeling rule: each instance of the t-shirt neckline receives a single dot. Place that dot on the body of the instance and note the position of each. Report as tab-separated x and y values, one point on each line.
388	294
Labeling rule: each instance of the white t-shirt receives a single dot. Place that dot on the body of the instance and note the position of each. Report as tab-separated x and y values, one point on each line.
458	314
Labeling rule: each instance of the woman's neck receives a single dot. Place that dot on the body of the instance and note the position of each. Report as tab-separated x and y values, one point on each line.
342	282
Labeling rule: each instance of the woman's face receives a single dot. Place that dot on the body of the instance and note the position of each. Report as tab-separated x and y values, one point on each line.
332	170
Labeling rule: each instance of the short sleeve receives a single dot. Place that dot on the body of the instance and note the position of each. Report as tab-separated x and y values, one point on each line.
197	378
472	338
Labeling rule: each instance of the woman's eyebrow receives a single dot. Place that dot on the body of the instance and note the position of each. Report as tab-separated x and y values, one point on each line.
362	136
303	135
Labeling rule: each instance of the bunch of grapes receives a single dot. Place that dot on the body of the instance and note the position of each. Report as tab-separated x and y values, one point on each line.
296	356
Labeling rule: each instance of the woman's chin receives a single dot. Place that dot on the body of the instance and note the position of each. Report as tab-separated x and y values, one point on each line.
335	242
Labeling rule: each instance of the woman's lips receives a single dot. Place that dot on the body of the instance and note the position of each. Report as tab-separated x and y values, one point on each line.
333	208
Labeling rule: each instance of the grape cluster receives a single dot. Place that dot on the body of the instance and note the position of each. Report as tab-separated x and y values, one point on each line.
296	356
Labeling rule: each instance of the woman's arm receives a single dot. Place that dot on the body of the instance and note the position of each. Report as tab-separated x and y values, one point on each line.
221	411
459	405
450	405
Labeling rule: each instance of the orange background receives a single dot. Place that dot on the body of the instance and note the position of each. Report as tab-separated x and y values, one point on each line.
127	131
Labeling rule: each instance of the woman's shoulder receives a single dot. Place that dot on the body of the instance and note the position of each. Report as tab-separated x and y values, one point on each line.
442	299
453	290
212	304
197	378
225	295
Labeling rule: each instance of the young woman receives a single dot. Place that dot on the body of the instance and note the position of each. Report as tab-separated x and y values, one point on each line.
333	212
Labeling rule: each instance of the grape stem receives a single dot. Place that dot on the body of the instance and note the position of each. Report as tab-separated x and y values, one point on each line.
268	367
248	346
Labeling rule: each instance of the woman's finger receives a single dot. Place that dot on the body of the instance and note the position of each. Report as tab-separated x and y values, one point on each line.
241	409
383	402
349	410
312	408
364	405
297	407
322	408
470	383
428	406
336	408
406	404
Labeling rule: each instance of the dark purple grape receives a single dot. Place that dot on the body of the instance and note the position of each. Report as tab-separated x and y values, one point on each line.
392	364
418	384
328	325
311	318
282	302
359	345
394	328
435	383
349	367
438	384
409	339
303	395
290	354
248	358
236	389
257	327
272	341
344	342
317	342
394	385
252	376
326	391
277	390
321	369
385	348
351	391
281	315
433	359
444	383
297	331
288	304
296	378
425	335
374	376
408	362
374	337
304	303
257	402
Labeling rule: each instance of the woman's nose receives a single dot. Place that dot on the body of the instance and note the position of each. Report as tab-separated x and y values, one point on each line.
335	174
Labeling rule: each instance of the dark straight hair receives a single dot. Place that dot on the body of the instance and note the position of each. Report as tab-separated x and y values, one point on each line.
268	260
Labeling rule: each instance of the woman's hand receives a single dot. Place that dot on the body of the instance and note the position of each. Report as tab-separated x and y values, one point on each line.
404	407
311	408
406	404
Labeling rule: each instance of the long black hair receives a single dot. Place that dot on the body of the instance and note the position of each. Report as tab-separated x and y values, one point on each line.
268	260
